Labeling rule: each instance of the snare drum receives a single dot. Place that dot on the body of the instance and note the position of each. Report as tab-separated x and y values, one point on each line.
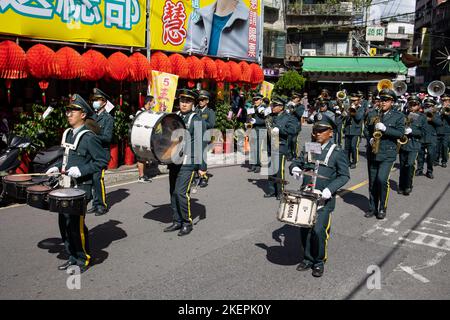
15	186
68	201
151	137
37	196
298	208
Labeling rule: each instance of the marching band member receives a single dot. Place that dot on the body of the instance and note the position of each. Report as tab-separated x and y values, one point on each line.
352	123
87	159
443	132
391	124
259	124
284	125
297	110
333	165
182	175
429	141
106	123
409	151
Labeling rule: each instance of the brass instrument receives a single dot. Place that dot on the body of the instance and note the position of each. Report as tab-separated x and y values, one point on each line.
436	88
446	111
430	112
404	139
385	84
377	134
341	95
399	88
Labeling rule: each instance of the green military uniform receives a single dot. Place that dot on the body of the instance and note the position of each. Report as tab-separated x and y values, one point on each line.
352	129
297	111
315	240
429	142
443	133
409	152
339	119
181	175
106	124
380	164
287	125
258	135
89	158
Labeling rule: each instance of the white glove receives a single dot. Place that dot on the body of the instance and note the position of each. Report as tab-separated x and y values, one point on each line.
74	172
371	141
337	112
253	121
380	126
408	130
52	170
296	172
326	194
275	130
261	109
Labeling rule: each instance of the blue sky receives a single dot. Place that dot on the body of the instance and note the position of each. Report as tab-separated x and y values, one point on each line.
392	7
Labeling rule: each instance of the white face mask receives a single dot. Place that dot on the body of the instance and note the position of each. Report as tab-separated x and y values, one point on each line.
97	105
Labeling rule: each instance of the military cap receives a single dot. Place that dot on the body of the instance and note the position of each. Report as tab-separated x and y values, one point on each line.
77	102
360	94
186	93
97	93
414	97
258	96
322	120
323	102
388	93
445	96
279	101
354	96
202	94
429	101
148	99
296	94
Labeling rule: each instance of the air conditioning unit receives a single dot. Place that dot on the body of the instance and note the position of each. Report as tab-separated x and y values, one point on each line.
308	52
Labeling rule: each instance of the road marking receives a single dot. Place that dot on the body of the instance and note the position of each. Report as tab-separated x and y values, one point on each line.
434	230
434	241
412	269
438	222
386	231
17	205
359	185
415	275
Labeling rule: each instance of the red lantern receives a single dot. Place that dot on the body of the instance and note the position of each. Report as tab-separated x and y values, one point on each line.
210	68
235	72
191	84
140	67
160	62
257	74
246	72
223	70
119	66
42	64
70	63
195	68
179	65
12	61
95	65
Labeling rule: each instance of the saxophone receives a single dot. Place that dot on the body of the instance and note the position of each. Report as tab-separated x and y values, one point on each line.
404	139
376	135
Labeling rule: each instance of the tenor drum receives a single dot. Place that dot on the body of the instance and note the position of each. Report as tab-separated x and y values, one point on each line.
151	137
298	208
15	186
37	196
68	201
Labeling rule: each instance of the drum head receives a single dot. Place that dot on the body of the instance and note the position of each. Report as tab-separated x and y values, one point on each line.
14	178
39	188
168	149
67	193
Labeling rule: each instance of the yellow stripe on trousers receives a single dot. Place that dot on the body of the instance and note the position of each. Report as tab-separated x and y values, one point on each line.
389	188
357	149
327	231
102	186
83	240
282	173
188	197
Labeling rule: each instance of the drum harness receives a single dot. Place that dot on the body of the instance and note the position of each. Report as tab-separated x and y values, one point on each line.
66	182
319	163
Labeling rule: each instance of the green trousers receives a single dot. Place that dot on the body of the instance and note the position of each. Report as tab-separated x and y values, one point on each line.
180	180
427	156
351	149
442	148
379	188
315	240
98	184
407	169
274	187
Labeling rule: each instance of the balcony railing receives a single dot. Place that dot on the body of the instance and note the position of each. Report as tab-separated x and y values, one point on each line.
324	9
272	3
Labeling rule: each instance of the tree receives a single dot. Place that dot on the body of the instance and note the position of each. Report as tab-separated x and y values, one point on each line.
289	82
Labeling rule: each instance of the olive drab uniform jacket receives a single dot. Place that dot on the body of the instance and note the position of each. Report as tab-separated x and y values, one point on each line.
395	129
106	123
418	130
192	162
430	135
335	169
288	125
207	115
353	124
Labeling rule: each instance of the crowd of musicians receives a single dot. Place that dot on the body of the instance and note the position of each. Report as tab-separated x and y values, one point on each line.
418	131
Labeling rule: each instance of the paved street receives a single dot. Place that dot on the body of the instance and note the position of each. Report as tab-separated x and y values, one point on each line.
240	250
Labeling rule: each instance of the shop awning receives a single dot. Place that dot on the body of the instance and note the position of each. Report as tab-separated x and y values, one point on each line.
354	64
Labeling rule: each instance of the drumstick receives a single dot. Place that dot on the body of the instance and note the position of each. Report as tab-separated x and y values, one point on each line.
36	174
312	174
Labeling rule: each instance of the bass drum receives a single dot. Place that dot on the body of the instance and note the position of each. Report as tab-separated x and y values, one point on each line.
151	137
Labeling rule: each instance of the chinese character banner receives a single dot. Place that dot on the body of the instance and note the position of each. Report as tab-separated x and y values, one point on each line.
114	22
163	88
222	28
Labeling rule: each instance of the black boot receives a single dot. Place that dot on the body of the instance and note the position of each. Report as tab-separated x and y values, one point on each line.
175	226
66	264
101	211
317	271
186	229
381	214
92	210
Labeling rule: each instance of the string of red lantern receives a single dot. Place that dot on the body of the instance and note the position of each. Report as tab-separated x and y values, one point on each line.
95	65
70	63
160	62
210	68
195	68
12	64
235	72
246	72
140	67
119	69
180	66
223	70
257	76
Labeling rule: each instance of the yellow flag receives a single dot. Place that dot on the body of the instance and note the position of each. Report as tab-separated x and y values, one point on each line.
266	89
163	88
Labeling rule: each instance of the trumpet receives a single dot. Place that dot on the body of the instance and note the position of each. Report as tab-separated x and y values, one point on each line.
430	112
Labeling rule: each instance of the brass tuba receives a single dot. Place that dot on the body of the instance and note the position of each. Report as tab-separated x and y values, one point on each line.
385	84
436	88
400	88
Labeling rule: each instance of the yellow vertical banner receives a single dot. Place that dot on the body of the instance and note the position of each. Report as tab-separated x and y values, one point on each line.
266	89
163	88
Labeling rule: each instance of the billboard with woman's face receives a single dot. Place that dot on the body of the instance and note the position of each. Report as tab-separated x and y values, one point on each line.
222	28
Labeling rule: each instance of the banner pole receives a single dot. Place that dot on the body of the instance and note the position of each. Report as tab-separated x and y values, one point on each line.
148	30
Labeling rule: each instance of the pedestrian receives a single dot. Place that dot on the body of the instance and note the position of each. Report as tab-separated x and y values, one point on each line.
86	157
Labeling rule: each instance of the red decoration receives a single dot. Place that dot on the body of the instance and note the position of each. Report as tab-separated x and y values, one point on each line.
223	70
119	66
70	63
195	68
160	62
12	61
114	153
41	62
179	65
220	85
140	67
246	71
191	84
8	84
43	84
210	68
257	74
235	72
95	65
129	155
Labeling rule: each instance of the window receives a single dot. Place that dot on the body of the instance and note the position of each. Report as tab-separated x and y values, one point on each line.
401	30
